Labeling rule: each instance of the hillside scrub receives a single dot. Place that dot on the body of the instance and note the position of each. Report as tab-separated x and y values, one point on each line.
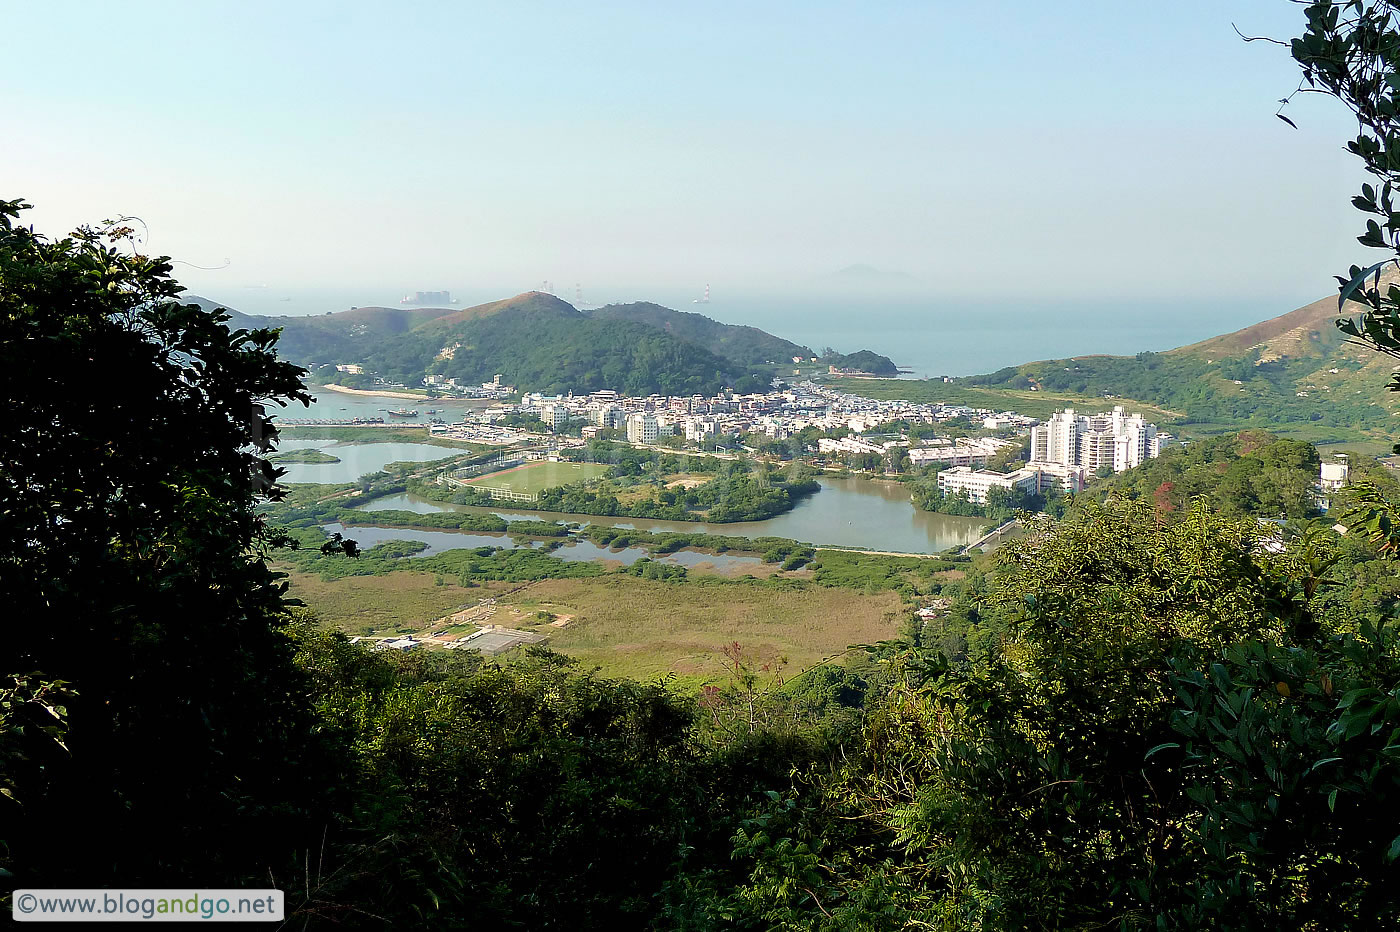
1250	473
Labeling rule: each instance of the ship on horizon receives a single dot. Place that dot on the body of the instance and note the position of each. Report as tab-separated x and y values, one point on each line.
428	298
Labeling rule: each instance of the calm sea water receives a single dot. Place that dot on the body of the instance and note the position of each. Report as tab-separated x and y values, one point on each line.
949	337
934	336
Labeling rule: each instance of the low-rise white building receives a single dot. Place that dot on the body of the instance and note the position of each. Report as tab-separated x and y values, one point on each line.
977	483
1061	476
965	451
847	445
1334	475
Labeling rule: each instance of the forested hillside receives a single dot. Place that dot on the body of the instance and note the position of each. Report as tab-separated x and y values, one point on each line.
1247	474
539	341
745	345
1298	394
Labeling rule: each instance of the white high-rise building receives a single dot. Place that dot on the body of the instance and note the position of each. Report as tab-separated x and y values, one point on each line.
1057	440
1115	439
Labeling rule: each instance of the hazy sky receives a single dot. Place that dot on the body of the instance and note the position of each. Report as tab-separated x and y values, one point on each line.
1027	148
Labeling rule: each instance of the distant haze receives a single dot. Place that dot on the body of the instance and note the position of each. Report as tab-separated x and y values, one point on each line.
979	156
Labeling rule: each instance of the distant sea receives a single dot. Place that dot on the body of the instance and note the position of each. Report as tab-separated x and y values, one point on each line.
932	336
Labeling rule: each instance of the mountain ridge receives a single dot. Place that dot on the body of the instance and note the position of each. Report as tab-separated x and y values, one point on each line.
1301	331
540	341
739	342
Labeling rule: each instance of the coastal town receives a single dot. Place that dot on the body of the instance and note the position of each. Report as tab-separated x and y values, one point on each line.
814	421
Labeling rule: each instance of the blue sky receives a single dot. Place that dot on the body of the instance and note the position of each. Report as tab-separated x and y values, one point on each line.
1037	149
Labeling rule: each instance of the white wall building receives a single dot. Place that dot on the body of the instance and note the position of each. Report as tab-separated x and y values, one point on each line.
554	416
1060	476
976	483
605	415
699	428
965	451
847	445
1334	476
642	428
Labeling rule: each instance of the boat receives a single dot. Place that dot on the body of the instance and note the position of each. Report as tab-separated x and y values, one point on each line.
403	412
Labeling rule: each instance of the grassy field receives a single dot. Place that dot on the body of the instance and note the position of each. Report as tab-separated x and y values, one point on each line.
1360	448
642	628
1029	403
628	626
1323	436
536	477
397	603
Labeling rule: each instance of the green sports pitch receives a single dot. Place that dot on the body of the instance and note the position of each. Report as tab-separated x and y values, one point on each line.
536	477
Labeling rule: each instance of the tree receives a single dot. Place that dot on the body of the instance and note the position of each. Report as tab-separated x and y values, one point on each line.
1351	51
1010	458
131	568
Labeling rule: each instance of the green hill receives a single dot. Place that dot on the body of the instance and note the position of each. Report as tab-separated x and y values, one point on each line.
539	341
863	361
745	345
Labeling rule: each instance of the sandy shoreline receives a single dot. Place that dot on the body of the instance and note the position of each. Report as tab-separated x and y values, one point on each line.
359	391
